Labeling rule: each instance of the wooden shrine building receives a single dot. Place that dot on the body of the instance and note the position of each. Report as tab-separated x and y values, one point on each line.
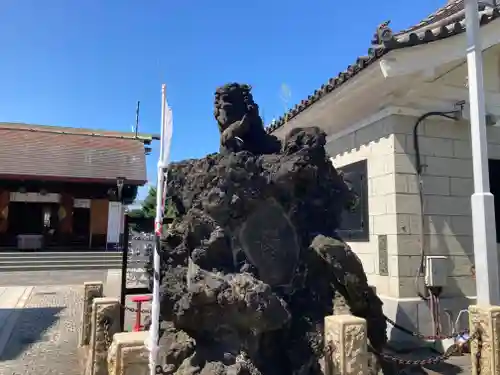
59	186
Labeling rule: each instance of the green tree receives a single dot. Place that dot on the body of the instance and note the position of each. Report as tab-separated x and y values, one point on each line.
147	212
149	204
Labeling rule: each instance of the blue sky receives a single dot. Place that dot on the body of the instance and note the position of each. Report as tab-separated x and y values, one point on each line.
86	63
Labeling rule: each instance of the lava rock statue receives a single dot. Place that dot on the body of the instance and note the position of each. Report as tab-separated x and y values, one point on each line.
253	263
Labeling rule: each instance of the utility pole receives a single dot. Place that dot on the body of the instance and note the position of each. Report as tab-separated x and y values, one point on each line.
137	119
483	207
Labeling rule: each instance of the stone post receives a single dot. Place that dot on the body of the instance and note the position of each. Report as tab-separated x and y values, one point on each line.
91	290
128	354
105	323
345	345
485	321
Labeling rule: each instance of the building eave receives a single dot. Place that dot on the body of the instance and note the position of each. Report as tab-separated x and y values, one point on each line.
63	179
336	111
426	56
398	42
18	126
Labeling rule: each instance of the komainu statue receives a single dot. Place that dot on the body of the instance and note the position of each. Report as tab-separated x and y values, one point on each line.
253	264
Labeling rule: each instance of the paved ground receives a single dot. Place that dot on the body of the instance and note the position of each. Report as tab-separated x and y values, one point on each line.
40	313
51	277
44	336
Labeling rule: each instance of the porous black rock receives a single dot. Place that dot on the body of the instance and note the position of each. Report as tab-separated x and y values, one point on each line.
253	264
239	122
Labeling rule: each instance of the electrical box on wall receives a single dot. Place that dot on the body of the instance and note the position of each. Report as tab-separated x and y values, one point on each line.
436	271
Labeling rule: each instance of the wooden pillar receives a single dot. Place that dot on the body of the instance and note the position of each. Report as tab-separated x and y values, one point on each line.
4	210
65	217
66	209
98	222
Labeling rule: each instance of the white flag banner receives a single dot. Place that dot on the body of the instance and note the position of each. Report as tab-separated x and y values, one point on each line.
163	160
167	131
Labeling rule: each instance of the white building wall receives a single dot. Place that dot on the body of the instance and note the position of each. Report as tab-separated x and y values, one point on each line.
375	143
447	185
394	207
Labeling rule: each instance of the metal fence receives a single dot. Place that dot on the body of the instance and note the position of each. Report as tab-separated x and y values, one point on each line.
137	250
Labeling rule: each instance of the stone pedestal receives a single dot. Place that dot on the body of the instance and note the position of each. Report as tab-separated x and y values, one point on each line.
91	290
485	322
105	324
345	345
128	355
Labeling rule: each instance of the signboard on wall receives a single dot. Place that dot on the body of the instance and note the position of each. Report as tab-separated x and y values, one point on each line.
81	203
115	224
35	197
354	225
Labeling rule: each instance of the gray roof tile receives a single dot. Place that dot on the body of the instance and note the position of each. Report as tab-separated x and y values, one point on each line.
444	23
48	154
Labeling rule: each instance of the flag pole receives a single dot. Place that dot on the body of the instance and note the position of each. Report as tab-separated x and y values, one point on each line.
483	202
166	133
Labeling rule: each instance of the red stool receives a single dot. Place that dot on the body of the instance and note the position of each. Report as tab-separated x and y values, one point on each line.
139	300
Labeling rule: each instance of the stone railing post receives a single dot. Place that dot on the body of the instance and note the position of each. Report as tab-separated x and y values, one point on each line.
345	345
484	326
91	290
128	354
105	323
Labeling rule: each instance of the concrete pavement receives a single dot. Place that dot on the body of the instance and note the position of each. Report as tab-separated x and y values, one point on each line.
35	278
38	330
44	339
40	314
12	301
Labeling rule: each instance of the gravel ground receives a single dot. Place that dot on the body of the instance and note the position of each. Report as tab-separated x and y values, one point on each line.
57	277
455	365
45	338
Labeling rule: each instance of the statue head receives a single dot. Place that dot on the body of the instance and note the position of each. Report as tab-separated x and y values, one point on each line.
232	102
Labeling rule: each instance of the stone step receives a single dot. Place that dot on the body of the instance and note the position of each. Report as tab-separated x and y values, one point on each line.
12	261
54	254
35	258
52	261
58	267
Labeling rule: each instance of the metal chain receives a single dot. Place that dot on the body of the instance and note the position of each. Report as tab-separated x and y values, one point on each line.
134	310
425	337
329	349
416	362
455	348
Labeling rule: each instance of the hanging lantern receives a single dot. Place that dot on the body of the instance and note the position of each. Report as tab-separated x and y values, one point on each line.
5	213
61	213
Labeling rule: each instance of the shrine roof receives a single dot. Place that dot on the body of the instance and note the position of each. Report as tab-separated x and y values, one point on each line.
50	152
